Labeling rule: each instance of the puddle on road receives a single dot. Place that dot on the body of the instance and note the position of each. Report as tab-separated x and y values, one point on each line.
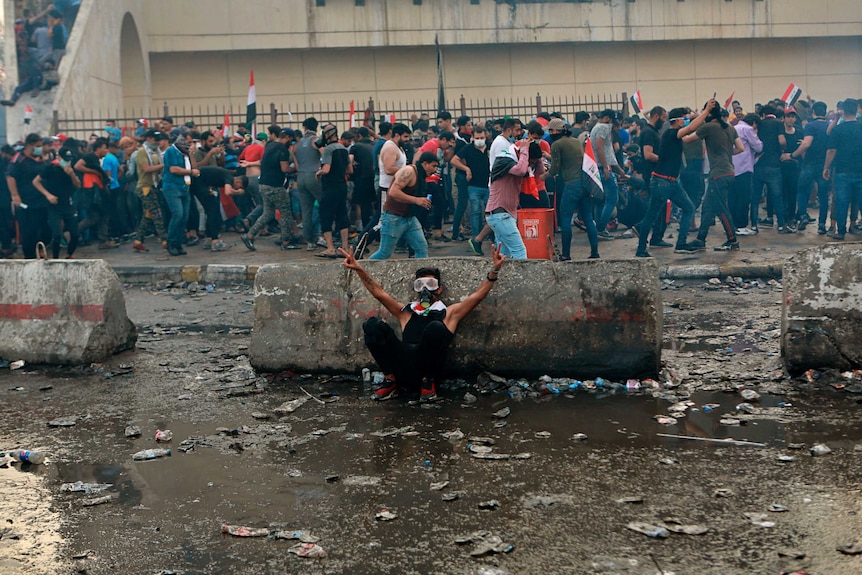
169	511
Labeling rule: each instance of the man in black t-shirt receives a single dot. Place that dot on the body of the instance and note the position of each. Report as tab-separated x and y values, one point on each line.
813	152
29	205
473	160
767	170
57	183
364	195
650	142
336	166
276	162
664	183
206	189
844	165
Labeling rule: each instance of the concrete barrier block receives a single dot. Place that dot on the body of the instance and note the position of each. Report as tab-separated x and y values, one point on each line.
580	319
62	311
191	273
225	274
821	323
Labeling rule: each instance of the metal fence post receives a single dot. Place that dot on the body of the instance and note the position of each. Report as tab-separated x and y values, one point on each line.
273	114
538	103
55	123
463	103
625	105
372	120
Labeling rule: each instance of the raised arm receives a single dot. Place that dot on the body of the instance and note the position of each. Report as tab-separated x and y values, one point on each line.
372	286
457	311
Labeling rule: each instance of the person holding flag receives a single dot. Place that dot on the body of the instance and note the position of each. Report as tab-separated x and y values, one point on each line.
569	162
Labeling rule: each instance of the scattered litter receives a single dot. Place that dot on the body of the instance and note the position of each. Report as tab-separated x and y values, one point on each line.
492	571
486	543
16	364
88	554
97	501
746	408
392	431
146	454
290	406
132	431
686	529
385	515
668	461
452	496
332	478
481	440
795	446
470	398
716	440
439	486
503	413
67	421
820	449
540	501
730	422
500	424
786	458
164	435
259	415
308	550
665	420
631	499
648	529
241	531
86	488
491	504
456	435
749	395
479	448
543	434
777	508
579	437
363	480
759	519
491	456
723	492
303	536
795	554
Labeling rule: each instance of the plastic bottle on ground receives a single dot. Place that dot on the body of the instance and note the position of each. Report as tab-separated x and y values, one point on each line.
26	456
146	454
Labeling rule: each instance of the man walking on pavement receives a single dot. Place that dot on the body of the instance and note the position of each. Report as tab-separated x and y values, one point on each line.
307	185
813	152
844	165
176	178
601	138
273	167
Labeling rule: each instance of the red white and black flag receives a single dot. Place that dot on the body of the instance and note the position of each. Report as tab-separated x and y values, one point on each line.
637	102
251	107
591	167
791	94
729	101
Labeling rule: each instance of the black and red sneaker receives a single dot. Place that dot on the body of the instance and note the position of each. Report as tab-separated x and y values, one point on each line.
429	391
389	390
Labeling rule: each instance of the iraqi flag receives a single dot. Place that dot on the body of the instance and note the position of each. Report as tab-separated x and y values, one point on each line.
729	101
225	128
251	107
637	102
791	94
590	165
352	114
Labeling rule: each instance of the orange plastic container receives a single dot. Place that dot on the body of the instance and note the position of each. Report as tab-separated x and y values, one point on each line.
537	226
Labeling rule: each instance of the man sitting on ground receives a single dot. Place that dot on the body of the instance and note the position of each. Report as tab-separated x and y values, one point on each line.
428	327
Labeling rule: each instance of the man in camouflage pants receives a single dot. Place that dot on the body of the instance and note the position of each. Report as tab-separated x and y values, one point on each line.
149	174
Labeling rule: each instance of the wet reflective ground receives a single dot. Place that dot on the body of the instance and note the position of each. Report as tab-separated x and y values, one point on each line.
329	467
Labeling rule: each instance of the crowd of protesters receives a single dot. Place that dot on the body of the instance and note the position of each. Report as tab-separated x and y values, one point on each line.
406	183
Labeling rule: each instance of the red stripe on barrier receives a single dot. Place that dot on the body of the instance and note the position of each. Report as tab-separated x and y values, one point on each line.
47	311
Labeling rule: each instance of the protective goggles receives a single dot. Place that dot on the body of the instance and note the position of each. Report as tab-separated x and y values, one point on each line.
430	283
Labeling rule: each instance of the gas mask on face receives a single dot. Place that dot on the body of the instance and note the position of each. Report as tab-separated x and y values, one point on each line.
425	286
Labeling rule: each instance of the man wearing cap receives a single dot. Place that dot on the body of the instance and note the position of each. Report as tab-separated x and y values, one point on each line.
29	205
57	183
273	167
601	138
176	178
150	167
141	129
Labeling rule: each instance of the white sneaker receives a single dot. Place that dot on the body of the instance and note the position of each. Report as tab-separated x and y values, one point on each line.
745	232
322	242
219	246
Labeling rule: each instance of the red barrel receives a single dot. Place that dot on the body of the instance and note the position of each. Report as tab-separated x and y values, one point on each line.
537	226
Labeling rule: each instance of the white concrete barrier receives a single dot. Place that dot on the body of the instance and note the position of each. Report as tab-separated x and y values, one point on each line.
62	312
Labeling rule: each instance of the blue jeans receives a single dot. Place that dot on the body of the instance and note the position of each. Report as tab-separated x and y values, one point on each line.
660	191
611	198
809	176
848	187
392	228
575	198
771	176
178	202
478	201
507	235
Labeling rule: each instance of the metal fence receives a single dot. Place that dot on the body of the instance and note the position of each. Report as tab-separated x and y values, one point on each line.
82	124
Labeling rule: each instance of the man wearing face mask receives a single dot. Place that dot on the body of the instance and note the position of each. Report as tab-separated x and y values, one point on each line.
176	178
507	137
472	159
29	205
427	326
150	167
650	141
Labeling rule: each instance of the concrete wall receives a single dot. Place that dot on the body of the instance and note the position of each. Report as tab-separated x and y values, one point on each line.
822	314
578	319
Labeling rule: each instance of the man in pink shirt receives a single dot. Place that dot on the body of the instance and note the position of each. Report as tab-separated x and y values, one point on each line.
501	212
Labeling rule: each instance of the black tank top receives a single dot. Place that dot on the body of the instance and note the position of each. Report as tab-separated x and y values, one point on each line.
412	333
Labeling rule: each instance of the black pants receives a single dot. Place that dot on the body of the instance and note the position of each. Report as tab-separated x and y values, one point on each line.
7	223
439	205
212	209
58	218
94	202
34	229
408	362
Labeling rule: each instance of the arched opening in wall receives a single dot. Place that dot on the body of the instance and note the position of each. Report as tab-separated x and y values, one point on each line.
133	74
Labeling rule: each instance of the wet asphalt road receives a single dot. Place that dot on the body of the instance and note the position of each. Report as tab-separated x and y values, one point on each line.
329	467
